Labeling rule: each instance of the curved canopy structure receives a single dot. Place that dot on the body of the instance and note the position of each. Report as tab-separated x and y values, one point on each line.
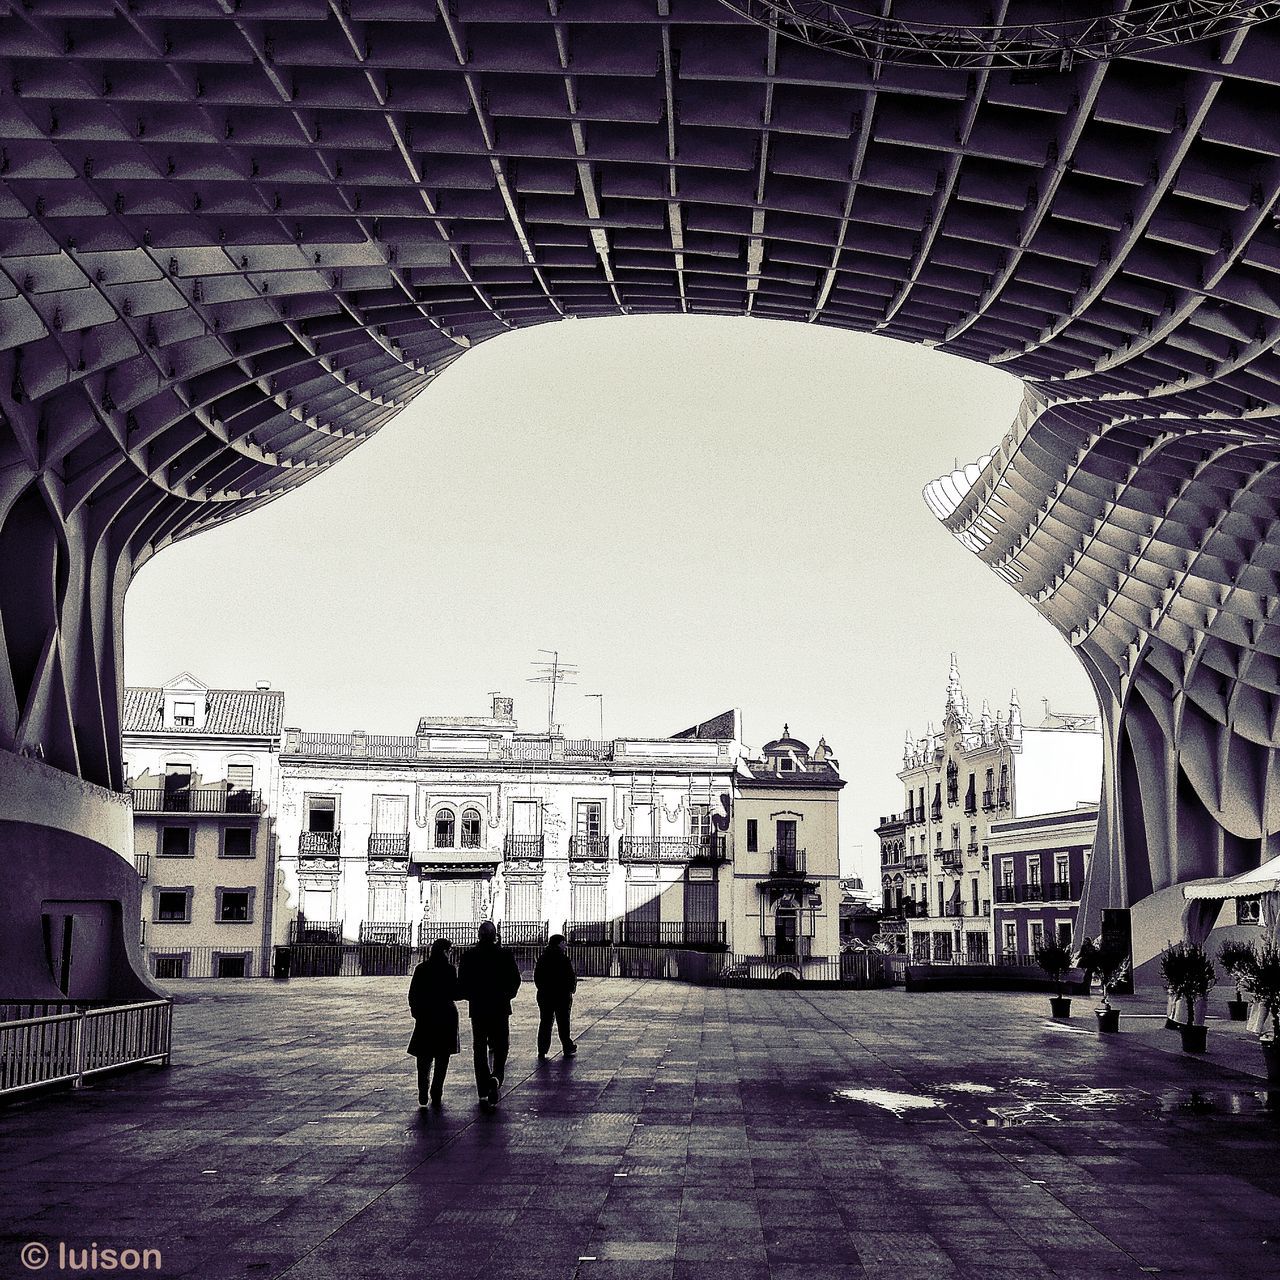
237	236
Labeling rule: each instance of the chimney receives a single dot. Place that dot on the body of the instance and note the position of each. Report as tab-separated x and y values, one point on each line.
264	685
503	708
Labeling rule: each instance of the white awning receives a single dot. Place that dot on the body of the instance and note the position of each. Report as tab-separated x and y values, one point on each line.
1248	884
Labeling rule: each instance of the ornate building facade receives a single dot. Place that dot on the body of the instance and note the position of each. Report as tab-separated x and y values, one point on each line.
634	840
958	782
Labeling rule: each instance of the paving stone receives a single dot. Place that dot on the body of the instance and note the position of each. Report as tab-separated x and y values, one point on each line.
700	1133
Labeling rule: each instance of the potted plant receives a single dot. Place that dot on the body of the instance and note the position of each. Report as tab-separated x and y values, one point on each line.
1088	962
1113	968
1264	984
1055	960
1189	975
1239	960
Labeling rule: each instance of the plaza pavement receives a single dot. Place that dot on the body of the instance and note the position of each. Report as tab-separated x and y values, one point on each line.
701	1134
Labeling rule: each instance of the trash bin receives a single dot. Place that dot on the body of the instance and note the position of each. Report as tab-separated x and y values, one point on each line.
281	963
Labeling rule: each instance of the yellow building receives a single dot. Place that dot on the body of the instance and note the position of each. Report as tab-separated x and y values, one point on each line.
786	853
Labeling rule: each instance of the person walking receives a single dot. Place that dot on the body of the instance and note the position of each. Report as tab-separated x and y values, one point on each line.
556	982
489	979
433	993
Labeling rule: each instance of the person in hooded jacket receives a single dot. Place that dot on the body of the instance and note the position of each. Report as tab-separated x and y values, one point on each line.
556	982
433	993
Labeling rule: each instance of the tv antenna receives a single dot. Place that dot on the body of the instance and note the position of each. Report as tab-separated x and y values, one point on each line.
553	674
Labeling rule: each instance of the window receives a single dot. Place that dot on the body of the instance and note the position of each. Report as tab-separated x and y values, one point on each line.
471	828
1037	935
587	820
1063	872
786	833
973	888
233	966
1033	870
177	776
322	813
240	777
953	782
1006	873
955	835
1011	938
444	829
173	906
184	714
175	842
786	765
234	906
169	966
700	823
387	899
237	842
753	835
1248	910
1064	932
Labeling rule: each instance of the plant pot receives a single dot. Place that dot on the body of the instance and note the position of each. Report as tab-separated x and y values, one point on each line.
1194	1038
1238	1009
1271	1059
1060	1006
1108	1020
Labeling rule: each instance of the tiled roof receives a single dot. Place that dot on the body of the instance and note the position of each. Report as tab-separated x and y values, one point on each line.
248	712
720	727
819	775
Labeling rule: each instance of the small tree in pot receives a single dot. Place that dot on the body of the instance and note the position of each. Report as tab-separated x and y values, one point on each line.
1113	968
1088	961
1239	960
1189	975
1264	984
1055	959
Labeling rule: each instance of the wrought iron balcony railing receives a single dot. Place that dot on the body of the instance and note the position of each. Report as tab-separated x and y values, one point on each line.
1002	799
589	848
195	800
388	844
142	865
319	844
988	800
670	849
787	948
1006	893
915	863
784	863
524	848
952	858
315	932
935	810
395	933
1060	891
970	803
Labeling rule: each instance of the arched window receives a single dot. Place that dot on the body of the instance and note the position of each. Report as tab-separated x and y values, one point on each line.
444	829
471	828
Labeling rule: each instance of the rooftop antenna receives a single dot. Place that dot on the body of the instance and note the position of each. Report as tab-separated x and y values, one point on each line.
551	674
599	697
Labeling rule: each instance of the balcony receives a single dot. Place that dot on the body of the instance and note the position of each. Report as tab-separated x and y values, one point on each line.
935	811
390	933
319	844
195	800
788	864
952	858
919	815
596	932
915	863
315	932
524	848
988	801
1006	893
1033	892
671	933
670	849
386	844
973	846
970	804
787	948
1002	798
589	848
1060	891
142	865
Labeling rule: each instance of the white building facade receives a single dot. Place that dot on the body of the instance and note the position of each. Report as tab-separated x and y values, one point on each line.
977	771
201	773
401	840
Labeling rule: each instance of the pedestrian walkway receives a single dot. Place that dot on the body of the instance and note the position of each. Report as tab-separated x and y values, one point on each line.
700	1134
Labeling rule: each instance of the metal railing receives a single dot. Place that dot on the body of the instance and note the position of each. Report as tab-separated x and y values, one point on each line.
970	803
142	865
395	933
952	858
529	848
787	948
916	862
1002	798
787	862
988	800
323	932
667	848
671	933
195	800
388	844
596	932
319	844
589	848
69	1047
1006	893
935	810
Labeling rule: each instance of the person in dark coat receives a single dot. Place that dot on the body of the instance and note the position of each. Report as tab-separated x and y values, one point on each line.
432	996
489	979
556	981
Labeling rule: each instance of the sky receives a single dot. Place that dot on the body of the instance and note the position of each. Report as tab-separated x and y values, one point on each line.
698	512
